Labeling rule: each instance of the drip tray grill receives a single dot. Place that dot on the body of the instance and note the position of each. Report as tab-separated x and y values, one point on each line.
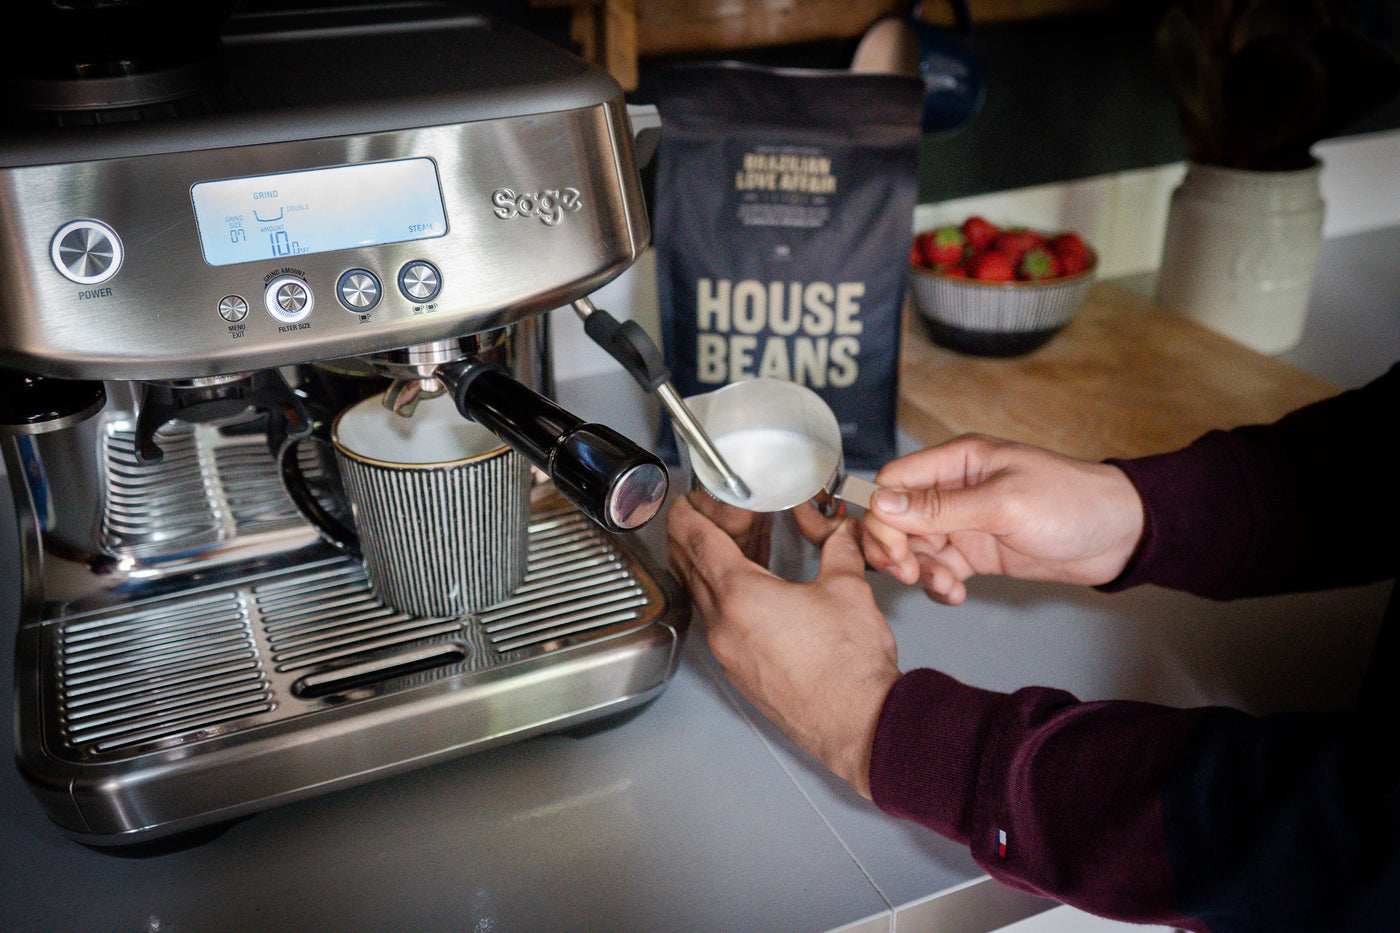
209	487
173	671
141	676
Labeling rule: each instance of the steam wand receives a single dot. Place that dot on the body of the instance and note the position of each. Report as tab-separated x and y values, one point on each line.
627	343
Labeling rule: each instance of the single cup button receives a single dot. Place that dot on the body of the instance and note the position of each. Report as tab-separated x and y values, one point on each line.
358	290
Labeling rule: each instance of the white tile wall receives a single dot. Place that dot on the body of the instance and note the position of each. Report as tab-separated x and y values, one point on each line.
1361	183
1122	215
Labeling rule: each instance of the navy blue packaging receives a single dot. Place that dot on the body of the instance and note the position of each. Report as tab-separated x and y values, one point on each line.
784	205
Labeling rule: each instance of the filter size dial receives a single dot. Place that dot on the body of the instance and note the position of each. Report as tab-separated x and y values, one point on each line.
289	299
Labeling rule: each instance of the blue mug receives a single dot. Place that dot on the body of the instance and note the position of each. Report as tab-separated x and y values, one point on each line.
951	69
953	73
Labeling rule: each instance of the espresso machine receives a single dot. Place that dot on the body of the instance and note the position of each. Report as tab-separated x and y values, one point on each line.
210	242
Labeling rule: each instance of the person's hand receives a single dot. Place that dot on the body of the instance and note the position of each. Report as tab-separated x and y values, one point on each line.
817	658
977	505
753	531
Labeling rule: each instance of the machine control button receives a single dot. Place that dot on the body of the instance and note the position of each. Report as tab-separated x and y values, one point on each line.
359	290
86	251
420	280
289	299
233	308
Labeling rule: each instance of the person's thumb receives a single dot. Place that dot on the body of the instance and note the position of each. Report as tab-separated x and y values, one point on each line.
841	551
702	542
929	511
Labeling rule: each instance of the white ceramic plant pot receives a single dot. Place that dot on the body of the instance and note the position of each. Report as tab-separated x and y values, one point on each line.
1241	250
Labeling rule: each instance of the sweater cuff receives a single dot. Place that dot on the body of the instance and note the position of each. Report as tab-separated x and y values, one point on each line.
924	761
1197	517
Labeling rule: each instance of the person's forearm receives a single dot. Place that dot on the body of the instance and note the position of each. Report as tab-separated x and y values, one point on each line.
1053	796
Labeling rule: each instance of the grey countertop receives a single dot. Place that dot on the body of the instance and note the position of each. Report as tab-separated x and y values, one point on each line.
695	814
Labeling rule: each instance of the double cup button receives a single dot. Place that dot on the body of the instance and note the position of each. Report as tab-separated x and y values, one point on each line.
420	281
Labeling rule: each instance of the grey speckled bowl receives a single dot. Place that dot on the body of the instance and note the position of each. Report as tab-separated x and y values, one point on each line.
996	318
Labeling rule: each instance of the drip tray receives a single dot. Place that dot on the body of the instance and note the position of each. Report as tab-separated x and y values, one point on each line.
168	713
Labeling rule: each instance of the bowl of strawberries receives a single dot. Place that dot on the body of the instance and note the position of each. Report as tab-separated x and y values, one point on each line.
993	290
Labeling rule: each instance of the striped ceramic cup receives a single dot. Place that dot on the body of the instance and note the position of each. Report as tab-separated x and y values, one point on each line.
440	505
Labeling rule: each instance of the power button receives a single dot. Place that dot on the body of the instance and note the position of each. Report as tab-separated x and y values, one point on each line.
86	251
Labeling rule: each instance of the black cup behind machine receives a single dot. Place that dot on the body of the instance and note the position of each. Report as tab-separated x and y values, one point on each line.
218	230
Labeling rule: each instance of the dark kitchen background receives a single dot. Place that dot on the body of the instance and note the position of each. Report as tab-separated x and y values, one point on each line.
1071	89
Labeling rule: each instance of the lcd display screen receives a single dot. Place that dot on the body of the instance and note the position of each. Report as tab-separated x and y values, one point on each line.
318	210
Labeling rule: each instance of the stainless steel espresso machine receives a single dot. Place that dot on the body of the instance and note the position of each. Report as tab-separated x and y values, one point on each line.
202	247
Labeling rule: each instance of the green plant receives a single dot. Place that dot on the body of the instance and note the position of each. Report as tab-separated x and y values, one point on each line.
1259	82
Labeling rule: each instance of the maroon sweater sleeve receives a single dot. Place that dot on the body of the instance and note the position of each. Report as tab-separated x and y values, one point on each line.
1052	796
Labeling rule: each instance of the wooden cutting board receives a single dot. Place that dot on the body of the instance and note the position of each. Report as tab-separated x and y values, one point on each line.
1125	378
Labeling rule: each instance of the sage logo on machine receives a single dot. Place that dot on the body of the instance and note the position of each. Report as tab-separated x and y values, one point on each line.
549	205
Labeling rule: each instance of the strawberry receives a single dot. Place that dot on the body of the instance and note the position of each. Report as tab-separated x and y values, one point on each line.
1072	252
1037	263
941	246
919	254
992	266
1073	263
979	232
1069	241
1017	240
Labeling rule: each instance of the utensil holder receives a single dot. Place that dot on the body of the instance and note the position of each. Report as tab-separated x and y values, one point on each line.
1240	252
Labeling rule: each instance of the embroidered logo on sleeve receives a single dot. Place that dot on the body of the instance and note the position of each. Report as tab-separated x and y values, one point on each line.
1001	843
